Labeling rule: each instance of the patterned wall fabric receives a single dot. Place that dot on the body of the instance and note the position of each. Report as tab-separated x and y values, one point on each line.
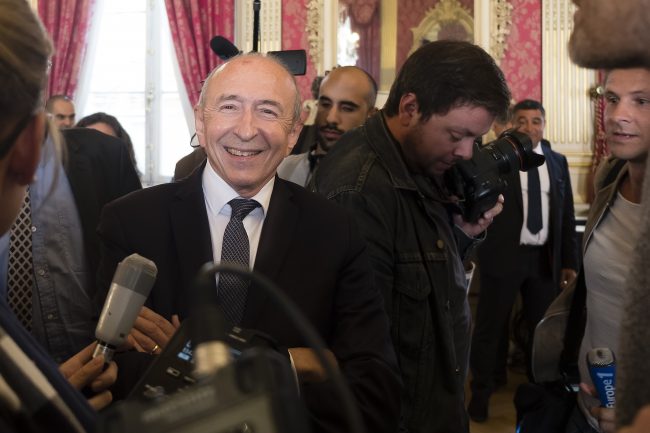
522	62
294	37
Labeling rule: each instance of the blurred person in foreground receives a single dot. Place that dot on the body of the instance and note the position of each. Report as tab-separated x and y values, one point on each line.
615	35
36	395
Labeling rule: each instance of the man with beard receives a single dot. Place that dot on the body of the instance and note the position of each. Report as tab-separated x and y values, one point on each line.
346	99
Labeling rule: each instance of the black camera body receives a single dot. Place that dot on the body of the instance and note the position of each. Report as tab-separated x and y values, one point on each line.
478	182
249	395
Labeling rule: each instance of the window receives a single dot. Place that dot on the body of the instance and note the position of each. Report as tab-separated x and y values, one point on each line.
132	74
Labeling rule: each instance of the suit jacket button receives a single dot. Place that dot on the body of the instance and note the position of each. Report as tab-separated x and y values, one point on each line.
440	244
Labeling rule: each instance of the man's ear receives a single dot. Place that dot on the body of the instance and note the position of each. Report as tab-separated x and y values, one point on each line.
409	110
293	136
26	153
198	124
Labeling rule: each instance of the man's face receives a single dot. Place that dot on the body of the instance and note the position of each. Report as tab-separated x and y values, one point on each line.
342	104
627	113
607	33
432	147
246	122
531	123
63	114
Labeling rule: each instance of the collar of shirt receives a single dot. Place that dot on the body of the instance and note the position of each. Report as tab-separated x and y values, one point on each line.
539	238
218	193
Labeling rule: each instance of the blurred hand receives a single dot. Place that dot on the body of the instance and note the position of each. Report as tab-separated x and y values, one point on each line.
83	370
641	422
474	229
567	276
308	367
151	331
604	415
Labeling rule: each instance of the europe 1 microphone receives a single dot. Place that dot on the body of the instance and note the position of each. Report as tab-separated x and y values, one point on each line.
132	282
602	369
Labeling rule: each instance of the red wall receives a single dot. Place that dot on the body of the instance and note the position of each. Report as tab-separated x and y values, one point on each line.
521	63
523	57
294	37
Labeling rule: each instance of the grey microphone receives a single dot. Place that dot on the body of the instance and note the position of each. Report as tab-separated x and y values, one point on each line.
132	282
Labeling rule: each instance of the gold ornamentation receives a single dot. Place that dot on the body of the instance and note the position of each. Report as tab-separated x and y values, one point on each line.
500	24
314	34
447	20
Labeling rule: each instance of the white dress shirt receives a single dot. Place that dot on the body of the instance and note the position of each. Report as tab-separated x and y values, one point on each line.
526	237
217	194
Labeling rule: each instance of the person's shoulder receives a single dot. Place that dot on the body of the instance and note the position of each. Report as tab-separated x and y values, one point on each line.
344	163
310	202
550	151
292	161
91	142
607	171
150	198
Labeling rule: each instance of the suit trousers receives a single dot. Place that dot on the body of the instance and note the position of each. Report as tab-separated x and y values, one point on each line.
532	277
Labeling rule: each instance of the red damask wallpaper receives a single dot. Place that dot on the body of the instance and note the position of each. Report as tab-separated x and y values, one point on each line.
294	37
522	62
409	15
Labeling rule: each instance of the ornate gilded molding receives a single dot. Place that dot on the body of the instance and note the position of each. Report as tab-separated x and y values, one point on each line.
313	29
448	19
500	24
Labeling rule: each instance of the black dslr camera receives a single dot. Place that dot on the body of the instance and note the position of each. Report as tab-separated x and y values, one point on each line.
478	182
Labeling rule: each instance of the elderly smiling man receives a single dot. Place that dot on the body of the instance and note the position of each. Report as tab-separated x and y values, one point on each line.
247	122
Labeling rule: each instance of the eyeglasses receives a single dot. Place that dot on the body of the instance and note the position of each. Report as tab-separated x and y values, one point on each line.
7	143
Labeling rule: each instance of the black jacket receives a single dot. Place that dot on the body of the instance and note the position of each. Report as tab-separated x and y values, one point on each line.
417	265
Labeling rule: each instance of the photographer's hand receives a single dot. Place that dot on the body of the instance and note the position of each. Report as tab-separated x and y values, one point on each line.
566	277
307	366
478	227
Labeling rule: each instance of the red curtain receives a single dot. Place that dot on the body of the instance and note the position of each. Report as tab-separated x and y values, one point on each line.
365	20
193	23
67	22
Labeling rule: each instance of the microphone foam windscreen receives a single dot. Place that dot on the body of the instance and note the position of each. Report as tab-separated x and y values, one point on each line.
223	48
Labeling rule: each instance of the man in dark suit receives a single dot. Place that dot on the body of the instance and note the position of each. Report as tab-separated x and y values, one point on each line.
530	248
247	122
66	200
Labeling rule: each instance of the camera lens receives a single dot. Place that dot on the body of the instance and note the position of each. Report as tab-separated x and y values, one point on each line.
513	151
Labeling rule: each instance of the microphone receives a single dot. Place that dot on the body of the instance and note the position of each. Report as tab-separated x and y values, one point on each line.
132	282
223	48
602	369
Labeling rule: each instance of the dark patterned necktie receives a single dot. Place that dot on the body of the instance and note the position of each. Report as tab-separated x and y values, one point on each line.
20	273
534	222
233	289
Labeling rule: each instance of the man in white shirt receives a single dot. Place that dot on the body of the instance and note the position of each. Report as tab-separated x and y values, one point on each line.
530	249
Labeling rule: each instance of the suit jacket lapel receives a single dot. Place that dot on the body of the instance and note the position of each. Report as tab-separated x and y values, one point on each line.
553	173
191	231
272	250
